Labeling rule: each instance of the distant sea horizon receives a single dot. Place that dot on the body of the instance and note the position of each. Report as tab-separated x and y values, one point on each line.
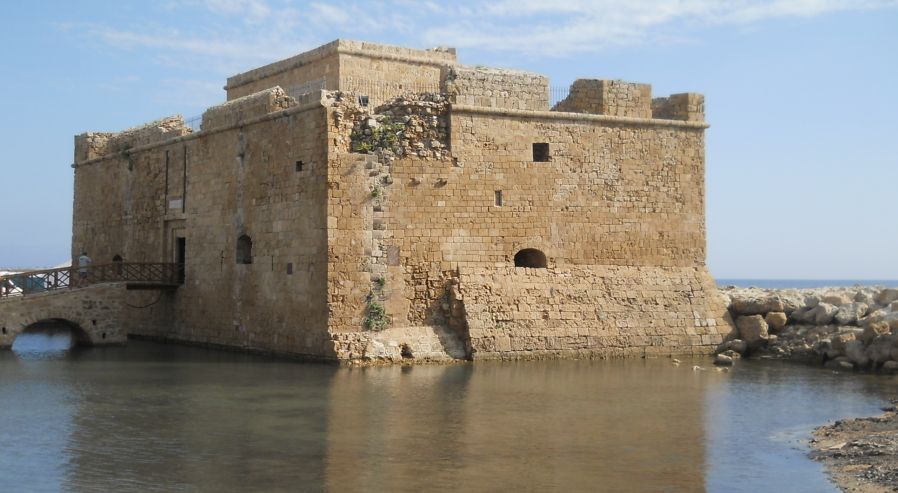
805	283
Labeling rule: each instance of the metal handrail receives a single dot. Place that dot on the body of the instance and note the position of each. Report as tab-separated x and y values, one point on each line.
40	281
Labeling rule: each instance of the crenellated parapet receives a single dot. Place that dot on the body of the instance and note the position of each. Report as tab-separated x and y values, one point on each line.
91	145
496	88
687	106
608	97
244	109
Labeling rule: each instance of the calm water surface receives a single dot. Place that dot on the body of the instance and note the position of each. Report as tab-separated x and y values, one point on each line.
150	417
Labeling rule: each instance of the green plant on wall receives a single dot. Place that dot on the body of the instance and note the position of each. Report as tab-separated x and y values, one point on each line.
384	136
375	316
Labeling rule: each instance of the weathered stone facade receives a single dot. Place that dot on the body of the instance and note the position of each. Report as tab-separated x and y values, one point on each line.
391	233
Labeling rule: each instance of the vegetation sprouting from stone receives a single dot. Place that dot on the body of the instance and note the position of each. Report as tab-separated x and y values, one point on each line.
375	316
375	312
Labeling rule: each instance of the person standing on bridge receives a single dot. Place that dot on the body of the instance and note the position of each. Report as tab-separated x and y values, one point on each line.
83	264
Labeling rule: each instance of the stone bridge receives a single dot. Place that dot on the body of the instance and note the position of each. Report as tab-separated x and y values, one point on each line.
94	313
100	308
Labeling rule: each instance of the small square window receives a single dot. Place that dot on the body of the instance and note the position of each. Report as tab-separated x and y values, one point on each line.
299	166
363	100
540	152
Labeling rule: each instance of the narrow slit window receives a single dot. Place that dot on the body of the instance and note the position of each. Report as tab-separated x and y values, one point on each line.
540	152
499	198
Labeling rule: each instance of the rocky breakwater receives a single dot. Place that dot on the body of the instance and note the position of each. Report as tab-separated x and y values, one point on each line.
842	328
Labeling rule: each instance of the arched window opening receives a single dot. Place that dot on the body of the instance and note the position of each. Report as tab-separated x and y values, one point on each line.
244	250
530	257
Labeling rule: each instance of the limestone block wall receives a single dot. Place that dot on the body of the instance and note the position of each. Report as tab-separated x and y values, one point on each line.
608	97
349	65
591	311
612	195
264	178
496	88
240	110
687	106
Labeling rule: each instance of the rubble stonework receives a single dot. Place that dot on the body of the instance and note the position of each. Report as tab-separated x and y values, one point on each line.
389	232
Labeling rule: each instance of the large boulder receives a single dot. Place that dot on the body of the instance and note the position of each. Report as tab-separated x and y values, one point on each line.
862	297
874	330
835	299
886	296
824	313
840	340
776	320
880	350
890	367
849	313
857	353
735	345
723	360
753	304
752	330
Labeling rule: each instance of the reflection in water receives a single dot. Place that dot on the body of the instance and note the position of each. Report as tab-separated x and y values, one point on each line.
44	342
165	418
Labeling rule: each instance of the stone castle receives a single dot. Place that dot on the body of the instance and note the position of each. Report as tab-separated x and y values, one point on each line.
363	202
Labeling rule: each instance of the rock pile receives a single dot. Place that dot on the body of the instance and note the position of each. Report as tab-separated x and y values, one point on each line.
409	125
843	328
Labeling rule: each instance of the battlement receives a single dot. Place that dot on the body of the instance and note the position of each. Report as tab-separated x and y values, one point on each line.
688	106
91	145
630	99
496	88
243	109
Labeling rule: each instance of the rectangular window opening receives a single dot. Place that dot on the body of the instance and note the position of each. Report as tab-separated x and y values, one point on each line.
540	152
363	100
499	198
290	269
299	166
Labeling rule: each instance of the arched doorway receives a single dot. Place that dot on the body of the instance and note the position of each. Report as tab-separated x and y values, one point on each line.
52	335
530	257
244	250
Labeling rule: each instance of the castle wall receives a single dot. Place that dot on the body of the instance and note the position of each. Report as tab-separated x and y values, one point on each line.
239	180
591	310
618	201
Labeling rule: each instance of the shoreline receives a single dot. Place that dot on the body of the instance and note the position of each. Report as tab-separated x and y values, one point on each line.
850	330
860	454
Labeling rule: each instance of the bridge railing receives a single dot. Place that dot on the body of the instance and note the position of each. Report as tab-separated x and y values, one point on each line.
40	281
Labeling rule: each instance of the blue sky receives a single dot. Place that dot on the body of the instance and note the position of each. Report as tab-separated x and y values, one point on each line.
802	96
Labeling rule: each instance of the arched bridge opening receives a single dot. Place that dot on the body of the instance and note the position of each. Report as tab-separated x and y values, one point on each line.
50	335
